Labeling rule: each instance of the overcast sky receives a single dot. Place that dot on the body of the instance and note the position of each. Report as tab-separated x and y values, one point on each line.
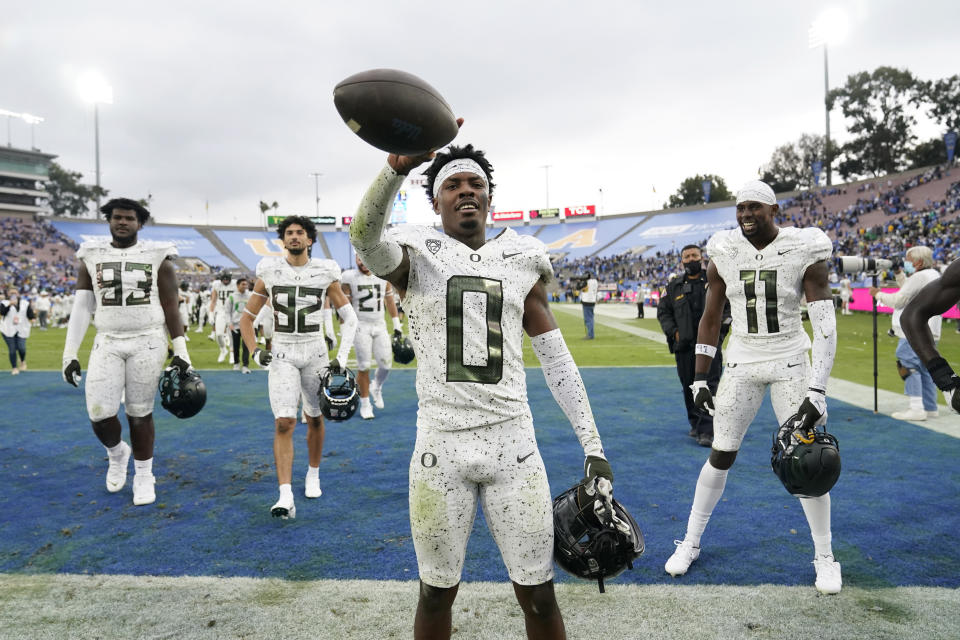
231	103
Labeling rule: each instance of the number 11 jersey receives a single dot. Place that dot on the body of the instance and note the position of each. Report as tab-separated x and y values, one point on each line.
466	323
764	288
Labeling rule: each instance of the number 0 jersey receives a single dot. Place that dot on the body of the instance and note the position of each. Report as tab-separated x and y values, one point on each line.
466	322
296	295
125	285
367	294
764	288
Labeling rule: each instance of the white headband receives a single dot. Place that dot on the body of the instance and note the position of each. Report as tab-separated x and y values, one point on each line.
457	165
756	191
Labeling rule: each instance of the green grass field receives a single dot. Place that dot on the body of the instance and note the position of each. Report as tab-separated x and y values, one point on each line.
854	361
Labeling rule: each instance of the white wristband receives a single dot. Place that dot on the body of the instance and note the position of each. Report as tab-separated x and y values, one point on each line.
705	350
180	349
397	325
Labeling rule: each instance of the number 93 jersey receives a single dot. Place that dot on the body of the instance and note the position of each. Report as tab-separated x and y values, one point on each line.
296	295
466	323
764	288
125	285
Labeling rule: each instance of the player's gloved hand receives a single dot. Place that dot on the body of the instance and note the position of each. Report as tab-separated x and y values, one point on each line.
180	363
71	372
335	367
331	342
262	357
813	409
598	480
946	380
397	334
702	397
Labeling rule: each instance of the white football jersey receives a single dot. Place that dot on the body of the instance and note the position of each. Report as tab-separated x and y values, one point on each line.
466	323
125	285
764	288
222	292
367	294
296	295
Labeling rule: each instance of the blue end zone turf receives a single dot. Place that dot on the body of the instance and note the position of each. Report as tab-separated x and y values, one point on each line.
894	509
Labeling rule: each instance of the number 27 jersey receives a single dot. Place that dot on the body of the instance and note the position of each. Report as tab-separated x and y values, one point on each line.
764	288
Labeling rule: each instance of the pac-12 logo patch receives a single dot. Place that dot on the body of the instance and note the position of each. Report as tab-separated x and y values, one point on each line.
433	245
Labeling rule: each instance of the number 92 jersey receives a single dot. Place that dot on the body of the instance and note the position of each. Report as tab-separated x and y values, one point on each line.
296	295
125	285
466	323
764	288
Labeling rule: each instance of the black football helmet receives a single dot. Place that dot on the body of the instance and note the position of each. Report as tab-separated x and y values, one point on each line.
402	349
338	393
592	544
182	394
806	460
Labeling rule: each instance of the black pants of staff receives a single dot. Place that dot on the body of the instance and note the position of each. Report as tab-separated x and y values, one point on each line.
700	422
237	344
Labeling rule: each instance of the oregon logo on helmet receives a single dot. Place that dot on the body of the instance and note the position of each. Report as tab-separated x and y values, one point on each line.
805	460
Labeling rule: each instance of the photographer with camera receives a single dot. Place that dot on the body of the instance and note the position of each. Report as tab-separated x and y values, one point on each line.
934	299
917	382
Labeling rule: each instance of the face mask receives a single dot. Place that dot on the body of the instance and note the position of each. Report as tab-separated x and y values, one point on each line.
692	268
908	268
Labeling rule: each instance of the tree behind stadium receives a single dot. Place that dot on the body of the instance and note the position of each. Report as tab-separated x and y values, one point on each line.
690	191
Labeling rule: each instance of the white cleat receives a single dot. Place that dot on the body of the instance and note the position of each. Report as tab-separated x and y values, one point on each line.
236	366
311	487
828	575
913	415
366	411
245	370
682	558
376	394
284	508
143	489
117	471
222	356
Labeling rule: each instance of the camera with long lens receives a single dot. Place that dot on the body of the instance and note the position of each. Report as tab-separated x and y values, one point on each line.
857	264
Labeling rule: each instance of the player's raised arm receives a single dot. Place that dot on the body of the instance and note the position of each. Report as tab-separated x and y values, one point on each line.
258	298
566	384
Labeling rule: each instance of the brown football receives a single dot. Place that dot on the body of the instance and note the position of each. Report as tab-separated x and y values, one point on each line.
395	111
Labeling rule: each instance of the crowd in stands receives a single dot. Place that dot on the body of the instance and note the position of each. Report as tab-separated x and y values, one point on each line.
35	256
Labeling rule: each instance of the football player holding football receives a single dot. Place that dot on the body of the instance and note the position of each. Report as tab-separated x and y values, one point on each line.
129	288
296	286
469	302
763	271
369	295
934	299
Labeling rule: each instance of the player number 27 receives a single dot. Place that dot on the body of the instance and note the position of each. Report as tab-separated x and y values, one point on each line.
769	279
457	369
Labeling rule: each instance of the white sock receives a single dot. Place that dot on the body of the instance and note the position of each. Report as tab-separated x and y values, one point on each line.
710	486
312	472
365	402
817	511
286	491
116	451
916	403
143	467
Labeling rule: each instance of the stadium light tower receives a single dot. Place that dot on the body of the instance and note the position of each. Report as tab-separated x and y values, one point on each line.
316	191
95	89
829	28
546	180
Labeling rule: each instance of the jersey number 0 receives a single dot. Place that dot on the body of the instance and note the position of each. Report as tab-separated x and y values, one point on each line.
457	369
